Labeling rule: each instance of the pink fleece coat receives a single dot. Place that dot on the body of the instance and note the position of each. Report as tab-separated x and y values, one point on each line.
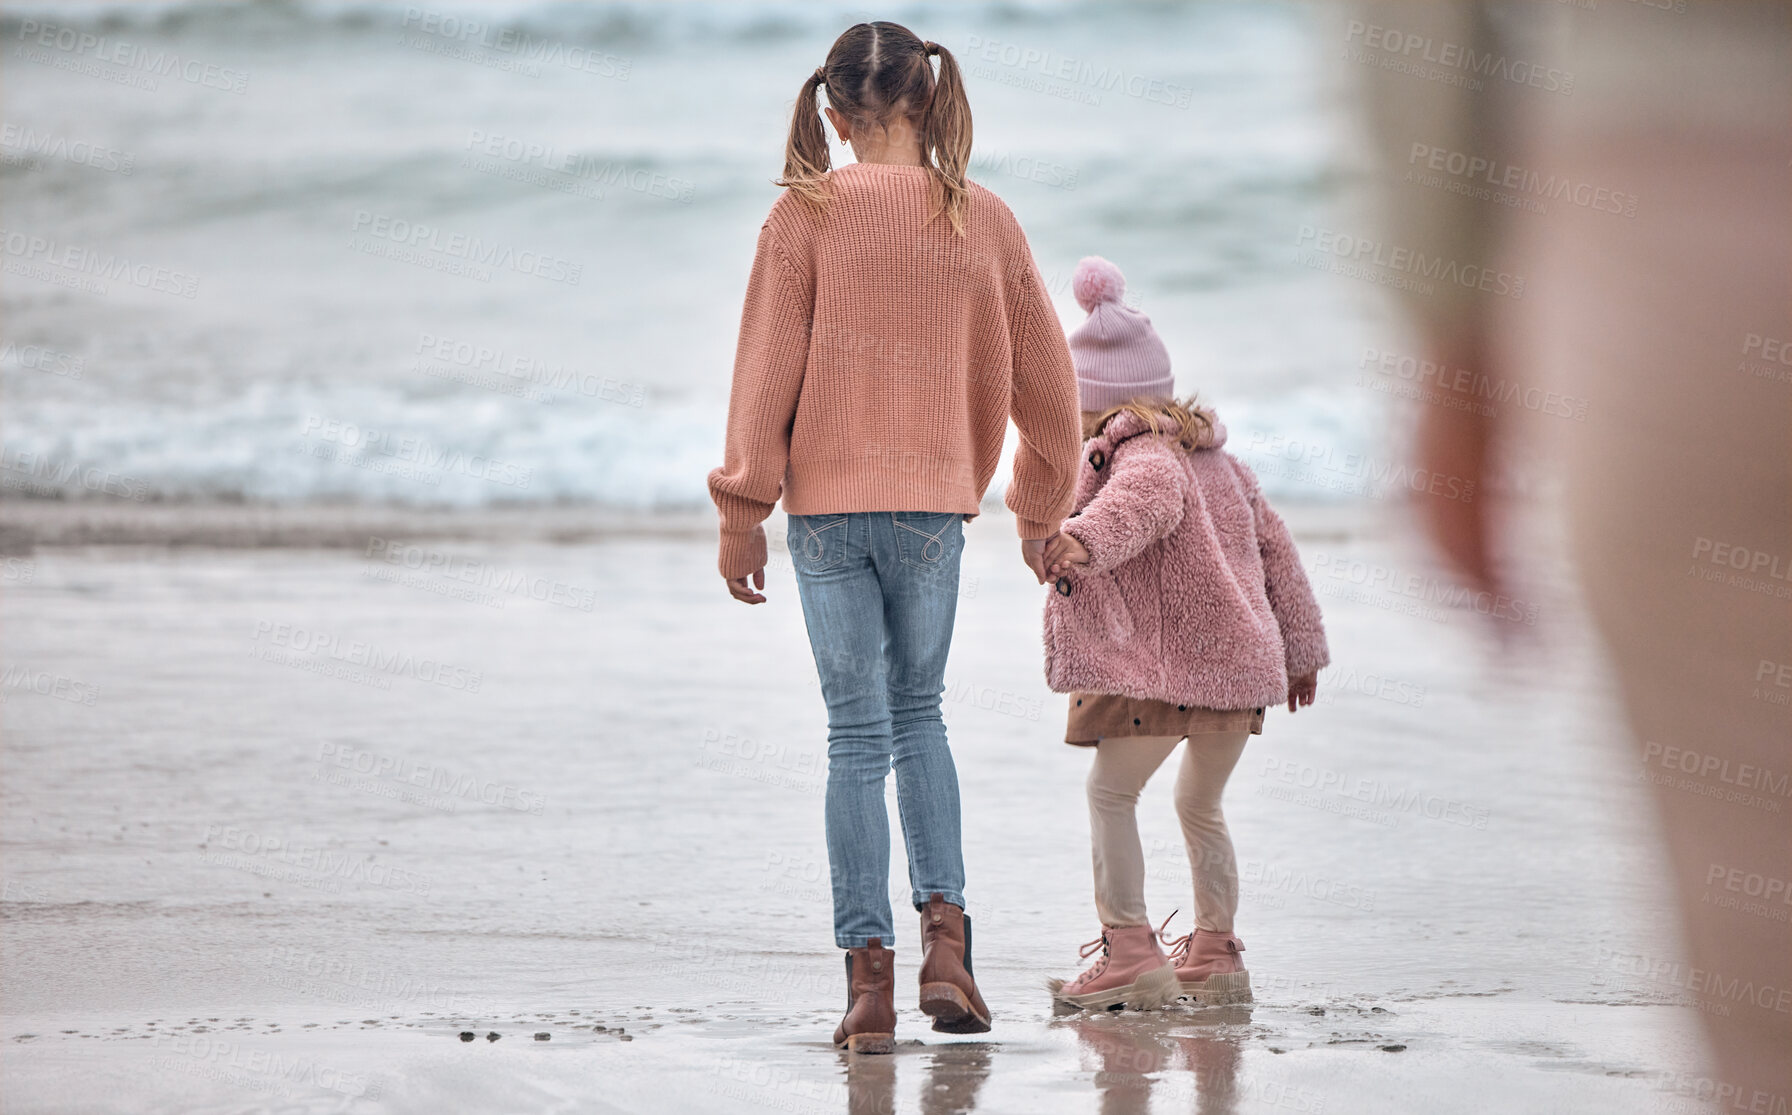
1194	592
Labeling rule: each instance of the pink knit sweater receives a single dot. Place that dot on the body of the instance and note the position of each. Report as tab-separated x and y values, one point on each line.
1194	592
880	358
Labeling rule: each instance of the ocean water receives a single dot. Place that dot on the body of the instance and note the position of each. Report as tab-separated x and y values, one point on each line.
488	253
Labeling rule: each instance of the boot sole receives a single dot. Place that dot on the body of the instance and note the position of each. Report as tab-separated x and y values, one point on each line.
868	1043
951	1010
1218	989
1154	989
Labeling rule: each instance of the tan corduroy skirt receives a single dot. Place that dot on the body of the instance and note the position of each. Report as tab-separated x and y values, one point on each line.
1098	716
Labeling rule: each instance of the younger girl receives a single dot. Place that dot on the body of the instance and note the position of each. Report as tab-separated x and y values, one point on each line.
1181	612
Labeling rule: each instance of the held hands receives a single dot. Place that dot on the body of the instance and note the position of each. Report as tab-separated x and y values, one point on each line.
1062	552
1302	690
1050	557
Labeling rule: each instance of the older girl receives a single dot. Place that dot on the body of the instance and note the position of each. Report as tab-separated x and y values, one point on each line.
894	321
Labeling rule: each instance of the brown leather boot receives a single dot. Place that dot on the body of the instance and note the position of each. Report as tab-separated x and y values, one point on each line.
948	993
870	1022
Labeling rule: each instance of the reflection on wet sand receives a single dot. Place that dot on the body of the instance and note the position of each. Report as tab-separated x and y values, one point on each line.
1182	1060
1130	1052
955	1074
870	1084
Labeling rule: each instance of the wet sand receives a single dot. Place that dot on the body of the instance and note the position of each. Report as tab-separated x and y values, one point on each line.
282	823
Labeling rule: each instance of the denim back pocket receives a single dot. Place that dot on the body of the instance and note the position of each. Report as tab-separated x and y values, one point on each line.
817	542
927	538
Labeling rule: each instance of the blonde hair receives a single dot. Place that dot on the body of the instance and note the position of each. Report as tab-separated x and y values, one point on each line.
1193	425
876	72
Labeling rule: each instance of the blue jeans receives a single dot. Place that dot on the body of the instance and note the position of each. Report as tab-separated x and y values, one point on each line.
880	592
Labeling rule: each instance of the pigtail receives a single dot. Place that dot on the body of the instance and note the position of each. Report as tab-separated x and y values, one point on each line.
946	135
806	151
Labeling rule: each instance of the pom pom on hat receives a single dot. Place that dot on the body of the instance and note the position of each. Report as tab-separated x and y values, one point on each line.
1096	281
1116	353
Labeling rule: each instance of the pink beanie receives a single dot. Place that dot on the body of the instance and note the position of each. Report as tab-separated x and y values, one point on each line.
1117	354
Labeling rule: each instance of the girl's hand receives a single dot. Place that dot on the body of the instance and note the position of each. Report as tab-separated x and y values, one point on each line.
742	588
1302	690
1062	552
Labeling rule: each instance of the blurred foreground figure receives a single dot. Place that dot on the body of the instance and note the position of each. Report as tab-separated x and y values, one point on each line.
1654	288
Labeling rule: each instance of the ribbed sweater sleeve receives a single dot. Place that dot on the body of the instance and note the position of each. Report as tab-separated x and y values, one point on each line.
769	361
1044	408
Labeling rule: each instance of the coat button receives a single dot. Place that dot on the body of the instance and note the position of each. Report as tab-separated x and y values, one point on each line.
1063	586
937	919
1135	722
1097	459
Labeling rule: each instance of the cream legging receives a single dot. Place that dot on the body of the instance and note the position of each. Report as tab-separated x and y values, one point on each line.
1122	766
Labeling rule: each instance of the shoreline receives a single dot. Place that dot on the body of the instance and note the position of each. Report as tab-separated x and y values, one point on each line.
27	524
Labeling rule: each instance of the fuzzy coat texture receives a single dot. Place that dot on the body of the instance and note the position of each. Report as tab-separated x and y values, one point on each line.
1194	592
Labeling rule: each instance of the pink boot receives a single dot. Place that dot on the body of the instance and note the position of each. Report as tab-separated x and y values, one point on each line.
1132	971
1208	967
